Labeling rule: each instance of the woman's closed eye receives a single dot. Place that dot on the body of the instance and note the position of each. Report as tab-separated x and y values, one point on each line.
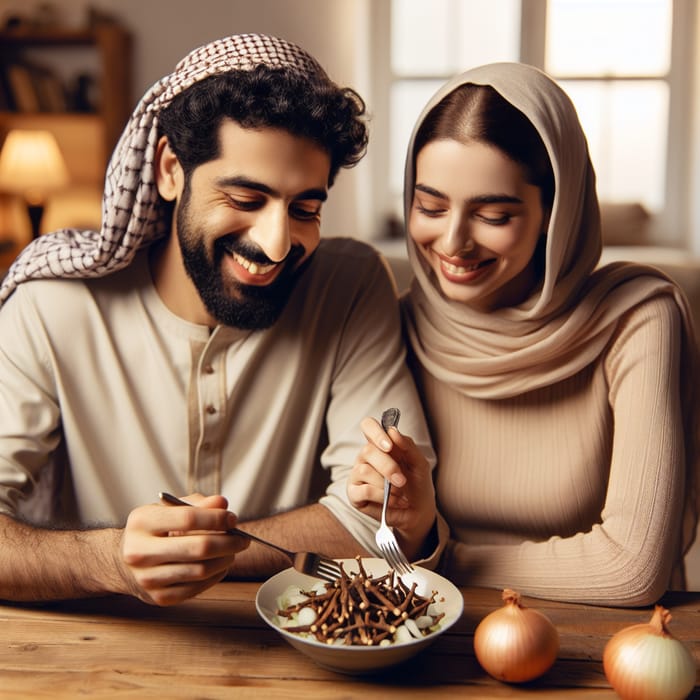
430	210
494	219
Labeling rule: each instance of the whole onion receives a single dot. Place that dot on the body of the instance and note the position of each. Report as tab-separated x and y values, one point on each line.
646	662
515	643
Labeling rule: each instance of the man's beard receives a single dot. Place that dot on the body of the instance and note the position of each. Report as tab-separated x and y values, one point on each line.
232	303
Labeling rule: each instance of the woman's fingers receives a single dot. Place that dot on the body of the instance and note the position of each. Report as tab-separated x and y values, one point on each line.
375	434
384	464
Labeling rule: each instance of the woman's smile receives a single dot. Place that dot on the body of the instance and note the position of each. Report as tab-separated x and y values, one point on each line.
464	271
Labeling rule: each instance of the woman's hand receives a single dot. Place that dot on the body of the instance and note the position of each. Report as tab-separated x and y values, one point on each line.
170	554
411	510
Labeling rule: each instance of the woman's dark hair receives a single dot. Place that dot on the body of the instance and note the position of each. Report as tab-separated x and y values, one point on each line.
309	106
478	113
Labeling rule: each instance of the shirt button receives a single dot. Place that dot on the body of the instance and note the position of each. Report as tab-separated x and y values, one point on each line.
211	409
208	369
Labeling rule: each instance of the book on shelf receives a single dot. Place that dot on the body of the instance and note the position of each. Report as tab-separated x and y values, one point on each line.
7	103
24	93
35	88
50	91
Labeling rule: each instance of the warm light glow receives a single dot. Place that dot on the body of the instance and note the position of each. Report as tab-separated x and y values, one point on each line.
31	164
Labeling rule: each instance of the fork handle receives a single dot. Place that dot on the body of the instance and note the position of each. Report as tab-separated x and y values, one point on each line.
390	418
175	501
387	491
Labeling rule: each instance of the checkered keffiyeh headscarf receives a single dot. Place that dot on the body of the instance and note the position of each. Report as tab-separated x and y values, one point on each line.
131	215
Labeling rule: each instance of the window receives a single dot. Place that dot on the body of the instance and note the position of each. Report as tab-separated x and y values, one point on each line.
623	63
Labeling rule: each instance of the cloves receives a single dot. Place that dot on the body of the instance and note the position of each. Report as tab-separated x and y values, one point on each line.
359	609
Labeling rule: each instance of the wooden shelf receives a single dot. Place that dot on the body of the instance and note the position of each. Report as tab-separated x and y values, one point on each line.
21	38
86	138
112	47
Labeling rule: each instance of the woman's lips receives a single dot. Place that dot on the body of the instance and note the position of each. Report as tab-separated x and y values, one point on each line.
464	270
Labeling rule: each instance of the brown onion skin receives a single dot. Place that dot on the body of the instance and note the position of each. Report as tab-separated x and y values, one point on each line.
516	644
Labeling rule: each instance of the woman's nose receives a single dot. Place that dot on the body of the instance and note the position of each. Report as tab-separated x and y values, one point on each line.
457	239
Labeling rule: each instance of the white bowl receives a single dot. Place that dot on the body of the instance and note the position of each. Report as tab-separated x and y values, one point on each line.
361	659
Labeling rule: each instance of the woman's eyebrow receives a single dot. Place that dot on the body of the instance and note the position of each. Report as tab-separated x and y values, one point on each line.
478	199
495	199
430	190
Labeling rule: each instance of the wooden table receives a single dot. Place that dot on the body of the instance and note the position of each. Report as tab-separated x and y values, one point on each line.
217	647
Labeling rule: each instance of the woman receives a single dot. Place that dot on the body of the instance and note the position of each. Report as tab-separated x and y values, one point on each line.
559	396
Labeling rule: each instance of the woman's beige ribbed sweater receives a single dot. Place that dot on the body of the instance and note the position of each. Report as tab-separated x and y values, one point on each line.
573	491
566	427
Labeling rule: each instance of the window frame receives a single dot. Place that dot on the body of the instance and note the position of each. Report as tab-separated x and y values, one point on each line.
673	225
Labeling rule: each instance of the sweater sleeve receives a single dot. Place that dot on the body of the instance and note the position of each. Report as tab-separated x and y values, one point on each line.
627	558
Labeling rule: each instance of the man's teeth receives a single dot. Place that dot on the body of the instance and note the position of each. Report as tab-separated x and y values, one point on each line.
252	267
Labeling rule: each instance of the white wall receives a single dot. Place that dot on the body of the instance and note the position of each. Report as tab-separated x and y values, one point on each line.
166	30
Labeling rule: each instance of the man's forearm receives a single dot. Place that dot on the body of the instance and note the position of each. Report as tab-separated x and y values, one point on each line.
38	564
309	529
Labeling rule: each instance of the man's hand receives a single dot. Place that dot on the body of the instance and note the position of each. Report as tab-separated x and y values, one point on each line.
172	553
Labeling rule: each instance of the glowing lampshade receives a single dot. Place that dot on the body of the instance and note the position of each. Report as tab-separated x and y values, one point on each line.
32	166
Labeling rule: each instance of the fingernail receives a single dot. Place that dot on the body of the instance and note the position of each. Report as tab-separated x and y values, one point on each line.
385	444
398	480
231	520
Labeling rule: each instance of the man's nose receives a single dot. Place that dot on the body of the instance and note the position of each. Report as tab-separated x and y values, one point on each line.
272	234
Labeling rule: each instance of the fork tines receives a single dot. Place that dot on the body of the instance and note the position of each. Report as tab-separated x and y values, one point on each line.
396	558
327	569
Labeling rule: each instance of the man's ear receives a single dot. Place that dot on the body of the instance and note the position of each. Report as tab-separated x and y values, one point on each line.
169	174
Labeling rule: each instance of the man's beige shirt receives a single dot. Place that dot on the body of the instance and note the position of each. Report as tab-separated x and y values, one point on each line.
99	379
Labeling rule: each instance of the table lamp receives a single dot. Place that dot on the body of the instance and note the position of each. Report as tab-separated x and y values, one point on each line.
32	166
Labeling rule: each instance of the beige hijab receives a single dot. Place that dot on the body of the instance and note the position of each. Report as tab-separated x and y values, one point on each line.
568	321
132	213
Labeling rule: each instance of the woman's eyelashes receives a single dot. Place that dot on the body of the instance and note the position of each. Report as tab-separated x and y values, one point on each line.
492	219
497	220
429	210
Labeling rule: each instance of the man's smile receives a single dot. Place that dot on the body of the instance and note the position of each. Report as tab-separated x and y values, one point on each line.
253	267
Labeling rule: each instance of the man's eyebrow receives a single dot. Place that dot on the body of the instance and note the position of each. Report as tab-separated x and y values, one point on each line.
478	199
238	181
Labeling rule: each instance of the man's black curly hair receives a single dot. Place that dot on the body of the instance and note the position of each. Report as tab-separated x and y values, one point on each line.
308	106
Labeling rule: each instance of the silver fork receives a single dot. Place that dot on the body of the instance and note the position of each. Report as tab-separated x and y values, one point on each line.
308	563
384	537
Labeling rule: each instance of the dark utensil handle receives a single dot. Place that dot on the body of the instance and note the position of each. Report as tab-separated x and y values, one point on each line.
390	418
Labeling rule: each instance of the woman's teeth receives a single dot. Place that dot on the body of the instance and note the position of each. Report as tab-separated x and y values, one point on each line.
252	267
460	270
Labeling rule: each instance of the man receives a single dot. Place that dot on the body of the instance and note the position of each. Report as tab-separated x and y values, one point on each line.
207	343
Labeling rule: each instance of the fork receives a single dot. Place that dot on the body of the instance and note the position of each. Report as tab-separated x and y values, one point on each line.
384	537
308	563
